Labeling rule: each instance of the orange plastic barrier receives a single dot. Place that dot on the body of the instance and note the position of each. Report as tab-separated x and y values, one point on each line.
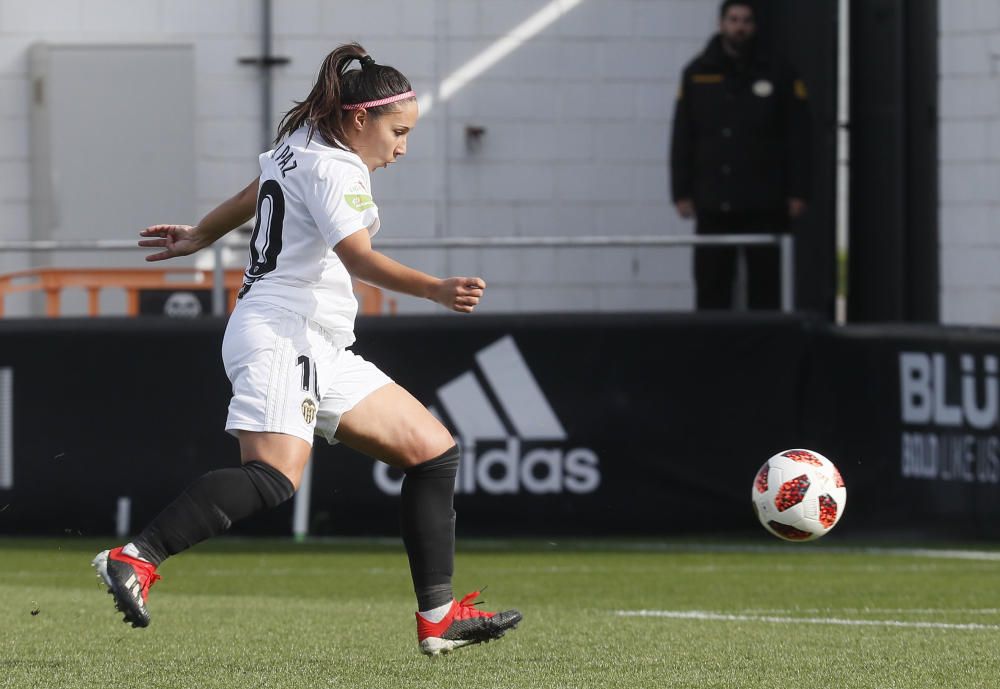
54	280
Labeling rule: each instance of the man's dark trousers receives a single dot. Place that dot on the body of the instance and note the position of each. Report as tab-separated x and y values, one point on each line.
715	266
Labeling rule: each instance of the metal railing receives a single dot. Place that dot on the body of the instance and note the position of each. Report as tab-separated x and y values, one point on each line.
784	242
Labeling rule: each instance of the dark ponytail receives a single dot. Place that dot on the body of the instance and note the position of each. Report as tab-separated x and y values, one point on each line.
336	85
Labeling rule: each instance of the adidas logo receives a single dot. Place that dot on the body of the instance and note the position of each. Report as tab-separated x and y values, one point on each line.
510	437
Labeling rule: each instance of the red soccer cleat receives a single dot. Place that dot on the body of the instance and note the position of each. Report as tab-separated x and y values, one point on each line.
462	626
128	580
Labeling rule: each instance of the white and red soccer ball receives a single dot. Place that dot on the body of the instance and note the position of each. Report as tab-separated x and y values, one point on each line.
799	495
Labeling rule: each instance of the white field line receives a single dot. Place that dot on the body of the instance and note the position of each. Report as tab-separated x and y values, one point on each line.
944	554
725	617
869	611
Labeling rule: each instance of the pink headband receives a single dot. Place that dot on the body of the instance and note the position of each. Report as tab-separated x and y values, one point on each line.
380	101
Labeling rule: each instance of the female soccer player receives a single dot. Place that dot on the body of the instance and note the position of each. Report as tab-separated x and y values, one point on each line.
286	348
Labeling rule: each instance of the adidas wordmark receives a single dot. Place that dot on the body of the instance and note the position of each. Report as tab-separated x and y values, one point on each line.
526	452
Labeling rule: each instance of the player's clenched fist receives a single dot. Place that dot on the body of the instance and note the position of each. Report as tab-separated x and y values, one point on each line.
459	294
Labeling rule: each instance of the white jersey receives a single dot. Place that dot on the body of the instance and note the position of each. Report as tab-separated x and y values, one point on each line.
311	196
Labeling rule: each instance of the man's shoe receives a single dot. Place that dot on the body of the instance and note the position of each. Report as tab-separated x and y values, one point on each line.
128	580
462	626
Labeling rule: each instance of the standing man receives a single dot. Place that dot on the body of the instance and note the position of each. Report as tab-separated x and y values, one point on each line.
739	156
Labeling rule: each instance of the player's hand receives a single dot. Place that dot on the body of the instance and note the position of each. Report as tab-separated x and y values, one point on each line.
685	208
796	208
459	294
176	240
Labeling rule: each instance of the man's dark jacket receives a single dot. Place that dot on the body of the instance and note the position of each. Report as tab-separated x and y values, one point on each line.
741	133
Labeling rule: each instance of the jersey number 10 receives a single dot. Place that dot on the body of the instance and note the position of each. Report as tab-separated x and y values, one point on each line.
265	245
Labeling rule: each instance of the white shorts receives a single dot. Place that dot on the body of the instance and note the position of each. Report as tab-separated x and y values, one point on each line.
288	376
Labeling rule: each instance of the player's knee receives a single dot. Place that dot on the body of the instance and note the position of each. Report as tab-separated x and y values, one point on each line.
442	464
425	444
272	484
290	471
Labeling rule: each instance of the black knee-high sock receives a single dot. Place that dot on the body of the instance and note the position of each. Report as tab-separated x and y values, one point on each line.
210	505
428	523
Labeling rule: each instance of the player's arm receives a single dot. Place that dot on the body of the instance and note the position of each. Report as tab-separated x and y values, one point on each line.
355	251
181	240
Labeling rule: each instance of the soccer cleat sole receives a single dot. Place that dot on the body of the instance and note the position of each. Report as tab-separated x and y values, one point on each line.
434	646
123	600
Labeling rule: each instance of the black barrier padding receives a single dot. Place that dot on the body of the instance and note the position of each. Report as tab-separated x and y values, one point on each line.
677	418
105	408
174	303
855	413
680	412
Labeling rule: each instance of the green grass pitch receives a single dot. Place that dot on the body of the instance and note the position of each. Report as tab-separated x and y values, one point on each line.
249	614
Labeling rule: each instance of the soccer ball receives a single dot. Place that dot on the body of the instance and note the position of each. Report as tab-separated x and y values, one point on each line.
798	495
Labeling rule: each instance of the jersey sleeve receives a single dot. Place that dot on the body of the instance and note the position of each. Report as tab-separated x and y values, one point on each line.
340	204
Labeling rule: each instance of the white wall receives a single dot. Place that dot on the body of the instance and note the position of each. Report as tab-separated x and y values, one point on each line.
970	161
577	123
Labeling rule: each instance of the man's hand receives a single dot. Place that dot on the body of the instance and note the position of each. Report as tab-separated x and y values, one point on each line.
176	240
459	294
796	207
685	208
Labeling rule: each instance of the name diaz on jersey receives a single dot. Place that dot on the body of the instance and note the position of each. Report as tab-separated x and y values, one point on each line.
285	159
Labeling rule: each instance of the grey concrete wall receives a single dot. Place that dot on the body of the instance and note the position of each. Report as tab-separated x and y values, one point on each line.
576	123
576	118
970	161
